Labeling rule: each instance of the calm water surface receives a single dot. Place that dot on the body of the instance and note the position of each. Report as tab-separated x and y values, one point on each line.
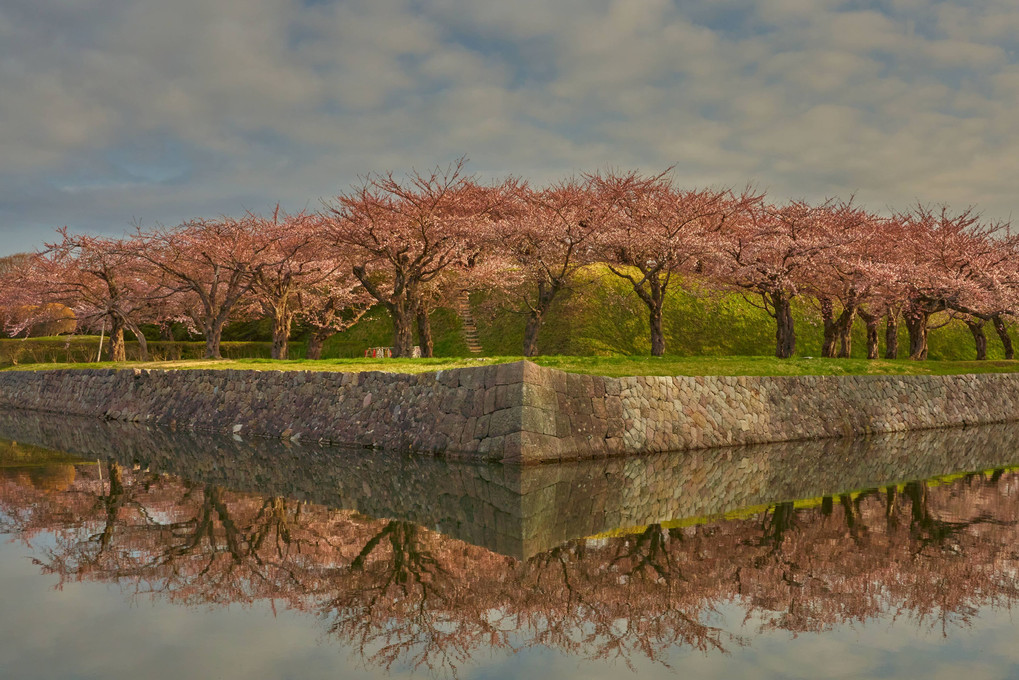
136	552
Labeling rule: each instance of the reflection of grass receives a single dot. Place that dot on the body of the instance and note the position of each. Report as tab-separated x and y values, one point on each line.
609	366
799	504
15	455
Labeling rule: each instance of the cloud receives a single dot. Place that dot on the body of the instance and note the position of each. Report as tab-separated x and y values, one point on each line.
122	109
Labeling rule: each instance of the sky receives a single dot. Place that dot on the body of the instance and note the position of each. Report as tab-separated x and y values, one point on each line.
116	113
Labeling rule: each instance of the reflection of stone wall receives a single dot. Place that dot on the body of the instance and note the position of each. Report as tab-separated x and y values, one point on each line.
521	412
523	510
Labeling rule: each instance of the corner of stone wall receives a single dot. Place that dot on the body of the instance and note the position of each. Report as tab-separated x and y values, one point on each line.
569	416
539	438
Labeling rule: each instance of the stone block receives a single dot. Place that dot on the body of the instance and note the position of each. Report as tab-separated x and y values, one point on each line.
505	421
513	448
538	448
481	426
539	396
533	374
489	406
508	396
614	427
491	448
507	374
473	378
562	422
449	379
537	420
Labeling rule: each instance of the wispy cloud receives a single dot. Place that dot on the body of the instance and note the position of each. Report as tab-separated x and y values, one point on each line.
122	109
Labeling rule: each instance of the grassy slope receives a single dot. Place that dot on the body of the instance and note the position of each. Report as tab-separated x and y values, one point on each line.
605	318
602	319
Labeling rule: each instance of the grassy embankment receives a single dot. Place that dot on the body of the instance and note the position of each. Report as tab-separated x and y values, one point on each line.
603	329
609	366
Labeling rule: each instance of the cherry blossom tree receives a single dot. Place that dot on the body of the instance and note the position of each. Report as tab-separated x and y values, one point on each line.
949	262
105	283
992	266
332	303
771	251
849	276
404	234
296	273
652	230
21	284
542	243
330	307
209	265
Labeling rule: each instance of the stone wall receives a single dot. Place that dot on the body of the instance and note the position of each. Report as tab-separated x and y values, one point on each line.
520	412
470	412
568	415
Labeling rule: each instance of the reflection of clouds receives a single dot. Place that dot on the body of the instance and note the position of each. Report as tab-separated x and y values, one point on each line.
90	630
276	99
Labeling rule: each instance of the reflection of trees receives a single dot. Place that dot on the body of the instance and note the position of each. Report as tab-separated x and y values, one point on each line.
403	594
627	599
190	543
407	597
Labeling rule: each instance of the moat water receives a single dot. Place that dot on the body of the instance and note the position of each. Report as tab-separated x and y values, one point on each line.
133	552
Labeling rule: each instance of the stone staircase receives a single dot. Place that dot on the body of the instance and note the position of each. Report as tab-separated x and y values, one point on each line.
469	328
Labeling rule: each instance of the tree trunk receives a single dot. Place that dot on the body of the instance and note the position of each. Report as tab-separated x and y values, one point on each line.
655	302
892	335
976	327
546	294
830	328
143	343
316	341
657	335
118	350
785	332
916	324
213	335
403	314
653	298
872	334
1006	341
534	320
845	331
401	305
425	332
281	335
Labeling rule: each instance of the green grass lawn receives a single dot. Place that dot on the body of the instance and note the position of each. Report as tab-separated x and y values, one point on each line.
609	366
744	365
